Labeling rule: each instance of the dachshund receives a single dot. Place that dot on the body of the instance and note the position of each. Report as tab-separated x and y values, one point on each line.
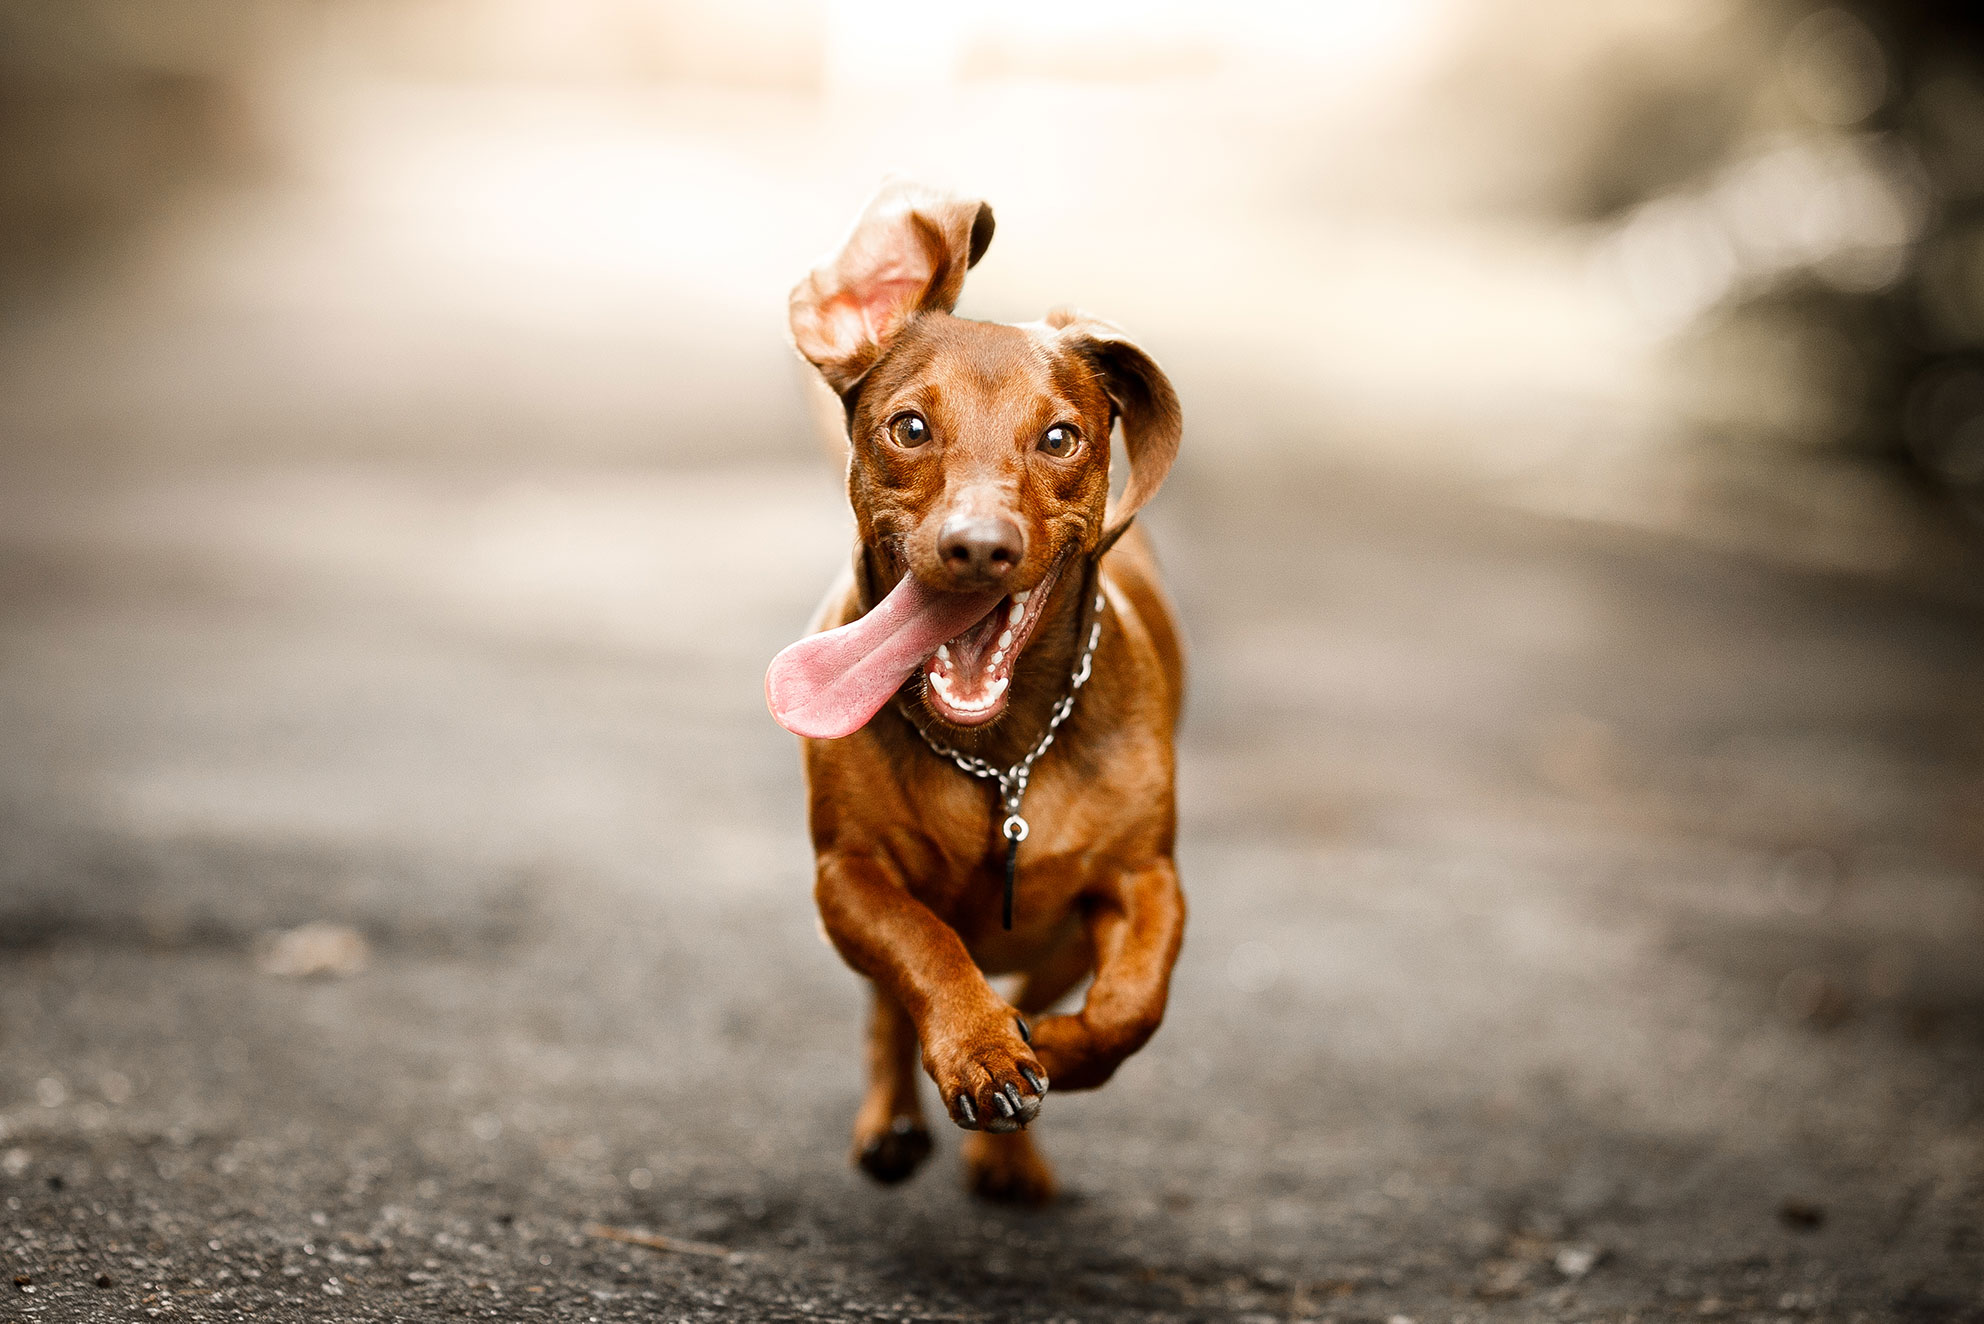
988	694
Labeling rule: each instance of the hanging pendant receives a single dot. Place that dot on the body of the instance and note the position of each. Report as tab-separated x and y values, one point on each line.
1015	831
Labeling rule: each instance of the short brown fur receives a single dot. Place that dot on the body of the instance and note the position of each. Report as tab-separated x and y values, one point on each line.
910	864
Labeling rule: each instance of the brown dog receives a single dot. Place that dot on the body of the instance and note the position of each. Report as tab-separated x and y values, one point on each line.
995	607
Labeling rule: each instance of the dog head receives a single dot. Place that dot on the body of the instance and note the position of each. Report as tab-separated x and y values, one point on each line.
979	452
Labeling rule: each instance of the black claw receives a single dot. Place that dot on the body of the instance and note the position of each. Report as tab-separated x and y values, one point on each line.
964	1106
1013	1093
1003	1104
1035	1079
1026	1031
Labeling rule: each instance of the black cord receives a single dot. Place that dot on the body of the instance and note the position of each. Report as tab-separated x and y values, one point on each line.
1012	877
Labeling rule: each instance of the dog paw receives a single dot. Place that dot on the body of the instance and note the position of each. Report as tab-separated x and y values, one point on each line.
894	1153
1007	1169
990	1081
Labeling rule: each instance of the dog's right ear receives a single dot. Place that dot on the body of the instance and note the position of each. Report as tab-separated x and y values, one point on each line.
907	255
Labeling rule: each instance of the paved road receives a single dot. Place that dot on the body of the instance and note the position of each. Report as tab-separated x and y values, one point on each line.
1584	927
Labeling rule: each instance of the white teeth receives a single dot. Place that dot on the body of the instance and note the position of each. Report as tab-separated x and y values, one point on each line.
938	679
943	652
995	659
1017	614
963	705
1019	599
1005	638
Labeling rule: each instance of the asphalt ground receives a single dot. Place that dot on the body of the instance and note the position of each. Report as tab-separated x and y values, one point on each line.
1585	925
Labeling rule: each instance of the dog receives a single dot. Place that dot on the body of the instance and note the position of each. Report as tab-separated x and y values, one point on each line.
988	694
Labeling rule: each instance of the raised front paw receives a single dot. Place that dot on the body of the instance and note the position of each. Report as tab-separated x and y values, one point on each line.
989	1078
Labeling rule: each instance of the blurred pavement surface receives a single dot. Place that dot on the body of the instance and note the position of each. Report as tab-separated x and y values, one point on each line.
1581	924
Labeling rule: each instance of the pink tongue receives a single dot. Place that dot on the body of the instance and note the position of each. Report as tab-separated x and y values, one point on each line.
828	685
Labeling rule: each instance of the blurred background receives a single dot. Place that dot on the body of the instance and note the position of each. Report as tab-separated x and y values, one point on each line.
405	477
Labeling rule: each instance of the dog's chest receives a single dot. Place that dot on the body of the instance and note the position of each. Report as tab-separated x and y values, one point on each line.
1079	818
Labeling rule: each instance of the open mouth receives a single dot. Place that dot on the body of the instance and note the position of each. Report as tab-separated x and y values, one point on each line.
966	681
829	685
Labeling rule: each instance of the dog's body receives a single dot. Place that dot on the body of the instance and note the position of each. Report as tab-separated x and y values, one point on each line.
979	478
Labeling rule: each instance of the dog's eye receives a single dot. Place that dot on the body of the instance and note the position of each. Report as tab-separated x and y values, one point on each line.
909	430
1060	441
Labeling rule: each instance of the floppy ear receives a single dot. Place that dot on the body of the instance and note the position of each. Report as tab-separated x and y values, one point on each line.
1141	396
908	254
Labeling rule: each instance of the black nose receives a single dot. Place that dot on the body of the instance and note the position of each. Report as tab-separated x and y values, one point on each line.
980	547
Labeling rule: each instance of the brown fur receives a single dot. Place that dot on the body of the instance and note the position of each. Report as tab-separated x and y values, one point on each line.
910	866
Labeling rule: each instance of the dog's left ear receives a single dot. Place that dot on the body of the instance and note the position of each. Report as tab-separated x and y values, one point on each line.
1141	396
908	254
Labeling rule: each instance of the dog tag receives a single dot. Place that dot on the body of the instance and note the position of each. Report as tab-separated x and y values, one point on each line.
1015	831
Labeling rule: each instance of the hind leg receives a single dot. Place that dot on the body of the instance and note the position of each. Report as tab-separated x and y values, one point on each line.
890	1139
1010	1168
1007	1168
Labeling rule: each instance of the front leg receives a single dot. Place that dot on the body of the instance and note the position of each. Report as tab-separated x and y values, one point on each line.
972	1046
890	1140
1135	928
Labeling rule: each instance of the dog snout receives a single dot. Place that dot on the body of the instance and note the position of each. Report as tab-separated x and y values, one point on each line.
980	549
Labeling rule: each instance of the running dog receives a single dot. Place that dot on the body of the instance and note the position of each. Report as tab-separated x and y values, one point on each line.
989	693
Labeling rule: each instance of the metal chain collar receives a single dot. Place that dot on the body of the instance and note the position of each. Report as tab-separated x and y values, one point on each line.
1012	781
